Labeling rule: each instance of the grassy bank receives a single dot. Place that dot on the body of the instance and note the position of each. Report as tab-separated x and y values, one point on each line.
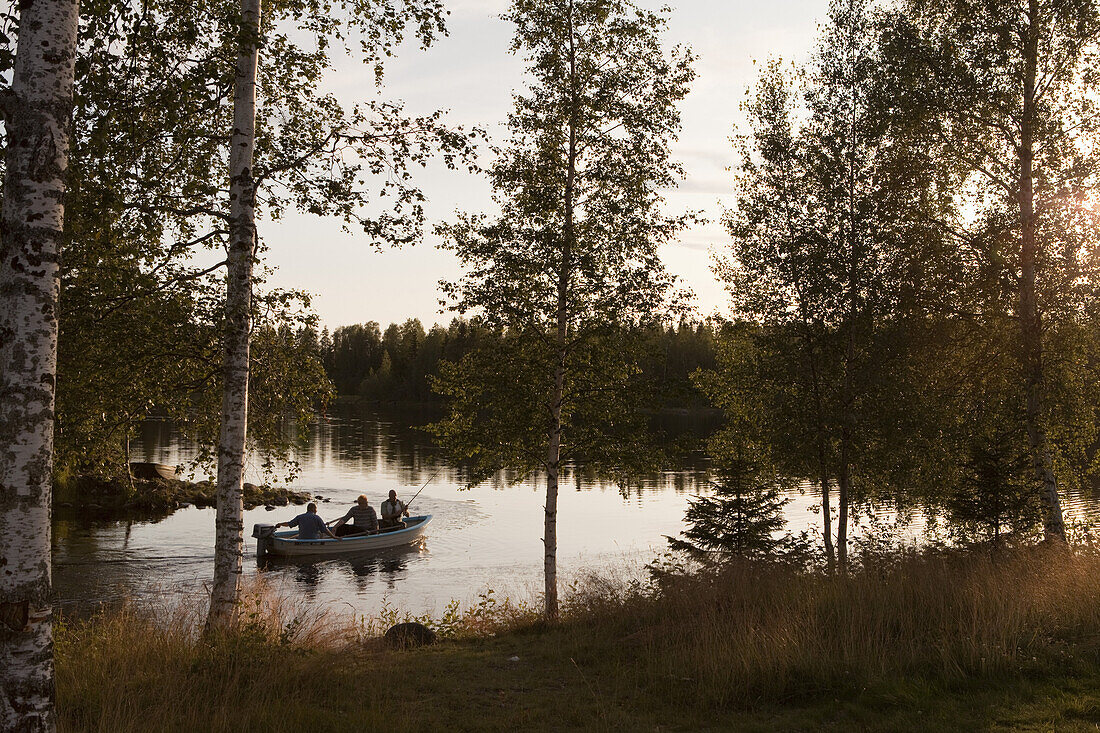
921	643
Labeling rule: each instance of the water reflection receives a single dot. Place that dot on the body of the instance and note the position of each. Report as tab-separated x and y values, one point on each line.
484	537
354	441
387	565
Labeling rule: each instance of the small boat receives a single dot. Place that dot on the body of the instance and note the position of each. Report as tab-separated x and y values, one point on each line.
287	544
152	471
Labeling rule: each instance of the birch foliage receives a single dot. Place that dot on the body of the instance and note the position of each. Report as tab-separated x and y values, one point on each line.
1014	84
148	199
573	253
832	253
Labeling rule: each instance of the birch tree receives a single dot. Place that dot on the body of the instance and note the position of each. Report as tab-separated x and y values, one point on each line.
320	158
36	109
772	277
573	256
830	255
148	199
852	234
1015	82
229	525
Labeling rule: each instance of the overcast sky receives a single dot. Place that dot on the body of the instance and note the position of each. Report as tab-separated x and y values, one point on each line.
471	74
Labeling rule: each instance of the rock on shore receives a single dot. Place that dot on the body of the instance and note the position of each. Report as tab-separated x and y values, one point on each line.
159	495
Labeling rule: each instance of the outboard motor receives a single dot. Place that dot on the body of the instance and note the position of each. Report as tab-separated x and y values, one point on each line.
263	534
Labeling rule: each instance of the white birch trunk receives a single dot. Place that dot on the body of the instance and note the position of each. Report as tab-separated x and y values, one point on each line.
550	516
229	541
37	112
553	458
822	461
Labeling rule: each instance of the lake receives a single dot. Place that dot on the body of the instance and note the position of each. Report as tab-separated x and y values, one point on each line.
484	538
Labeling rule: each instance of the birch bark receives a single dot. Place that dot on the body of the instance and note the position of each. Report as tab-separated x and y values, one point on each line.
1030	319
550	530
37	110
229	527
822	460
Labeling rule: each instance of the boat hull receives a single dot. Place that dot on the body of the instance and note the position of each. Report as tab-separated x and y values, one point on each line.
284	544
152	471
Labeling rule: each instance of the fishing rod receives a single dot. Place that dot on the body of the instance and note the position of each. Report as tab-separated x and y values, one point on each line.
410	500
421	489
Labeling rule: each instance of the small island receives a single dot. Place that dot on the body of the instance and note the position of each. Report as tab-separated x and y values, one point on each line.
156	492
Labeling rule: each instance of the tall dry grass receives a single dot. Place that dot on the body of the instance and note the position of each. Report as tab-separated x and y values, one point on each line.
148	667
288	663
746	633
751	631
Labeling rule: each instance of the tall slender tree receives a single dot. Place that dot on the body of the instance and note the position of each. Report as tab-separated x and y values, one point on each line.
1015	82
229	523
36	108
574	253
322	156
772	278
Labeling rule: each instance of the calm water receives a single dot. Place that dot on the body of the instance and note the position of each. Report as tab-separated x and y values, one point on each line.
488	537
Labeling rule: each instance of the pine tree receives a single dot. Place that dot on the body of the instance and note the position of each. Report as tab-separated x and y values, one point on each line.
997	493
742	519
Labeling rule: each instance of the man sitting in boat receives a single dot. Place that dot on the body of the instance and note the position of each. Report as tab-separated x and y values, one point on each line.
364	519
392	509
310	526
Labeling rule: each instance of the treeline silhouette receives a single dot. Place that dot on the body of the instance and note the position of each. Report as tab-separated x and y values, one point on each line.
395	365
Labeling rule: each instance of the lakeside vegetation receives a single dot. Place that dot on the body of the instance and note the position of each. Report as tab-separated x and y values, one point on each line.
914	276
92	496
912	641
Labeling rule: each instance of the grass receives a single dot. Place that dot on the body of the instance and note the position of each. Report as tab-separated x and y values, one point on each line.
918	642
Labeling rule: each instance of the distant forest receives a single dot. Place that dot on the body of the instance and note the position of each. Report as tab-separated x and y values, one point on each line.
397	364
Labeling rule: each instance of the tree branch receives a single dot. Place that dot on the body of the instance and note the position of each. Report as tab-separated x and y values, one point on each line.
162	287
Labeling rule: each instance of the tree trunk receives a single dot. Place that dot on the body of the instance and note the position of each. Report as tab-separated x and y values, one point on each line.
228	548
827	522
844	473
553	458
126	460
1031	328
550	518
843	482
822	461
847	397
37	111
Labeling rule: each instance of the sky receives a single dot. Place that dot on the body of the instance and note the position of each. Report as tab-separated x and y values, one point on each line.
471	74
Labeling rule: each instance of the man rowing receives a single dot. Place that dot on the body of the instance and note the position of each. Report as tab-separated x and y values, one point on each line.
364	519
310	526
392	509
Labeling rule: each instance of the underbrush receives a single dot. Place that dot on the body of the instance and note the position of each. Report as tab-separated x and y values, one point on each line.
751	631
735	639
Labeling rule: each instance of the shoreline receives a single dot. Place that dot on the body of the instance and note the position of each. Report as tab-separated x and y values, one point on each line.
112	498
938	641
